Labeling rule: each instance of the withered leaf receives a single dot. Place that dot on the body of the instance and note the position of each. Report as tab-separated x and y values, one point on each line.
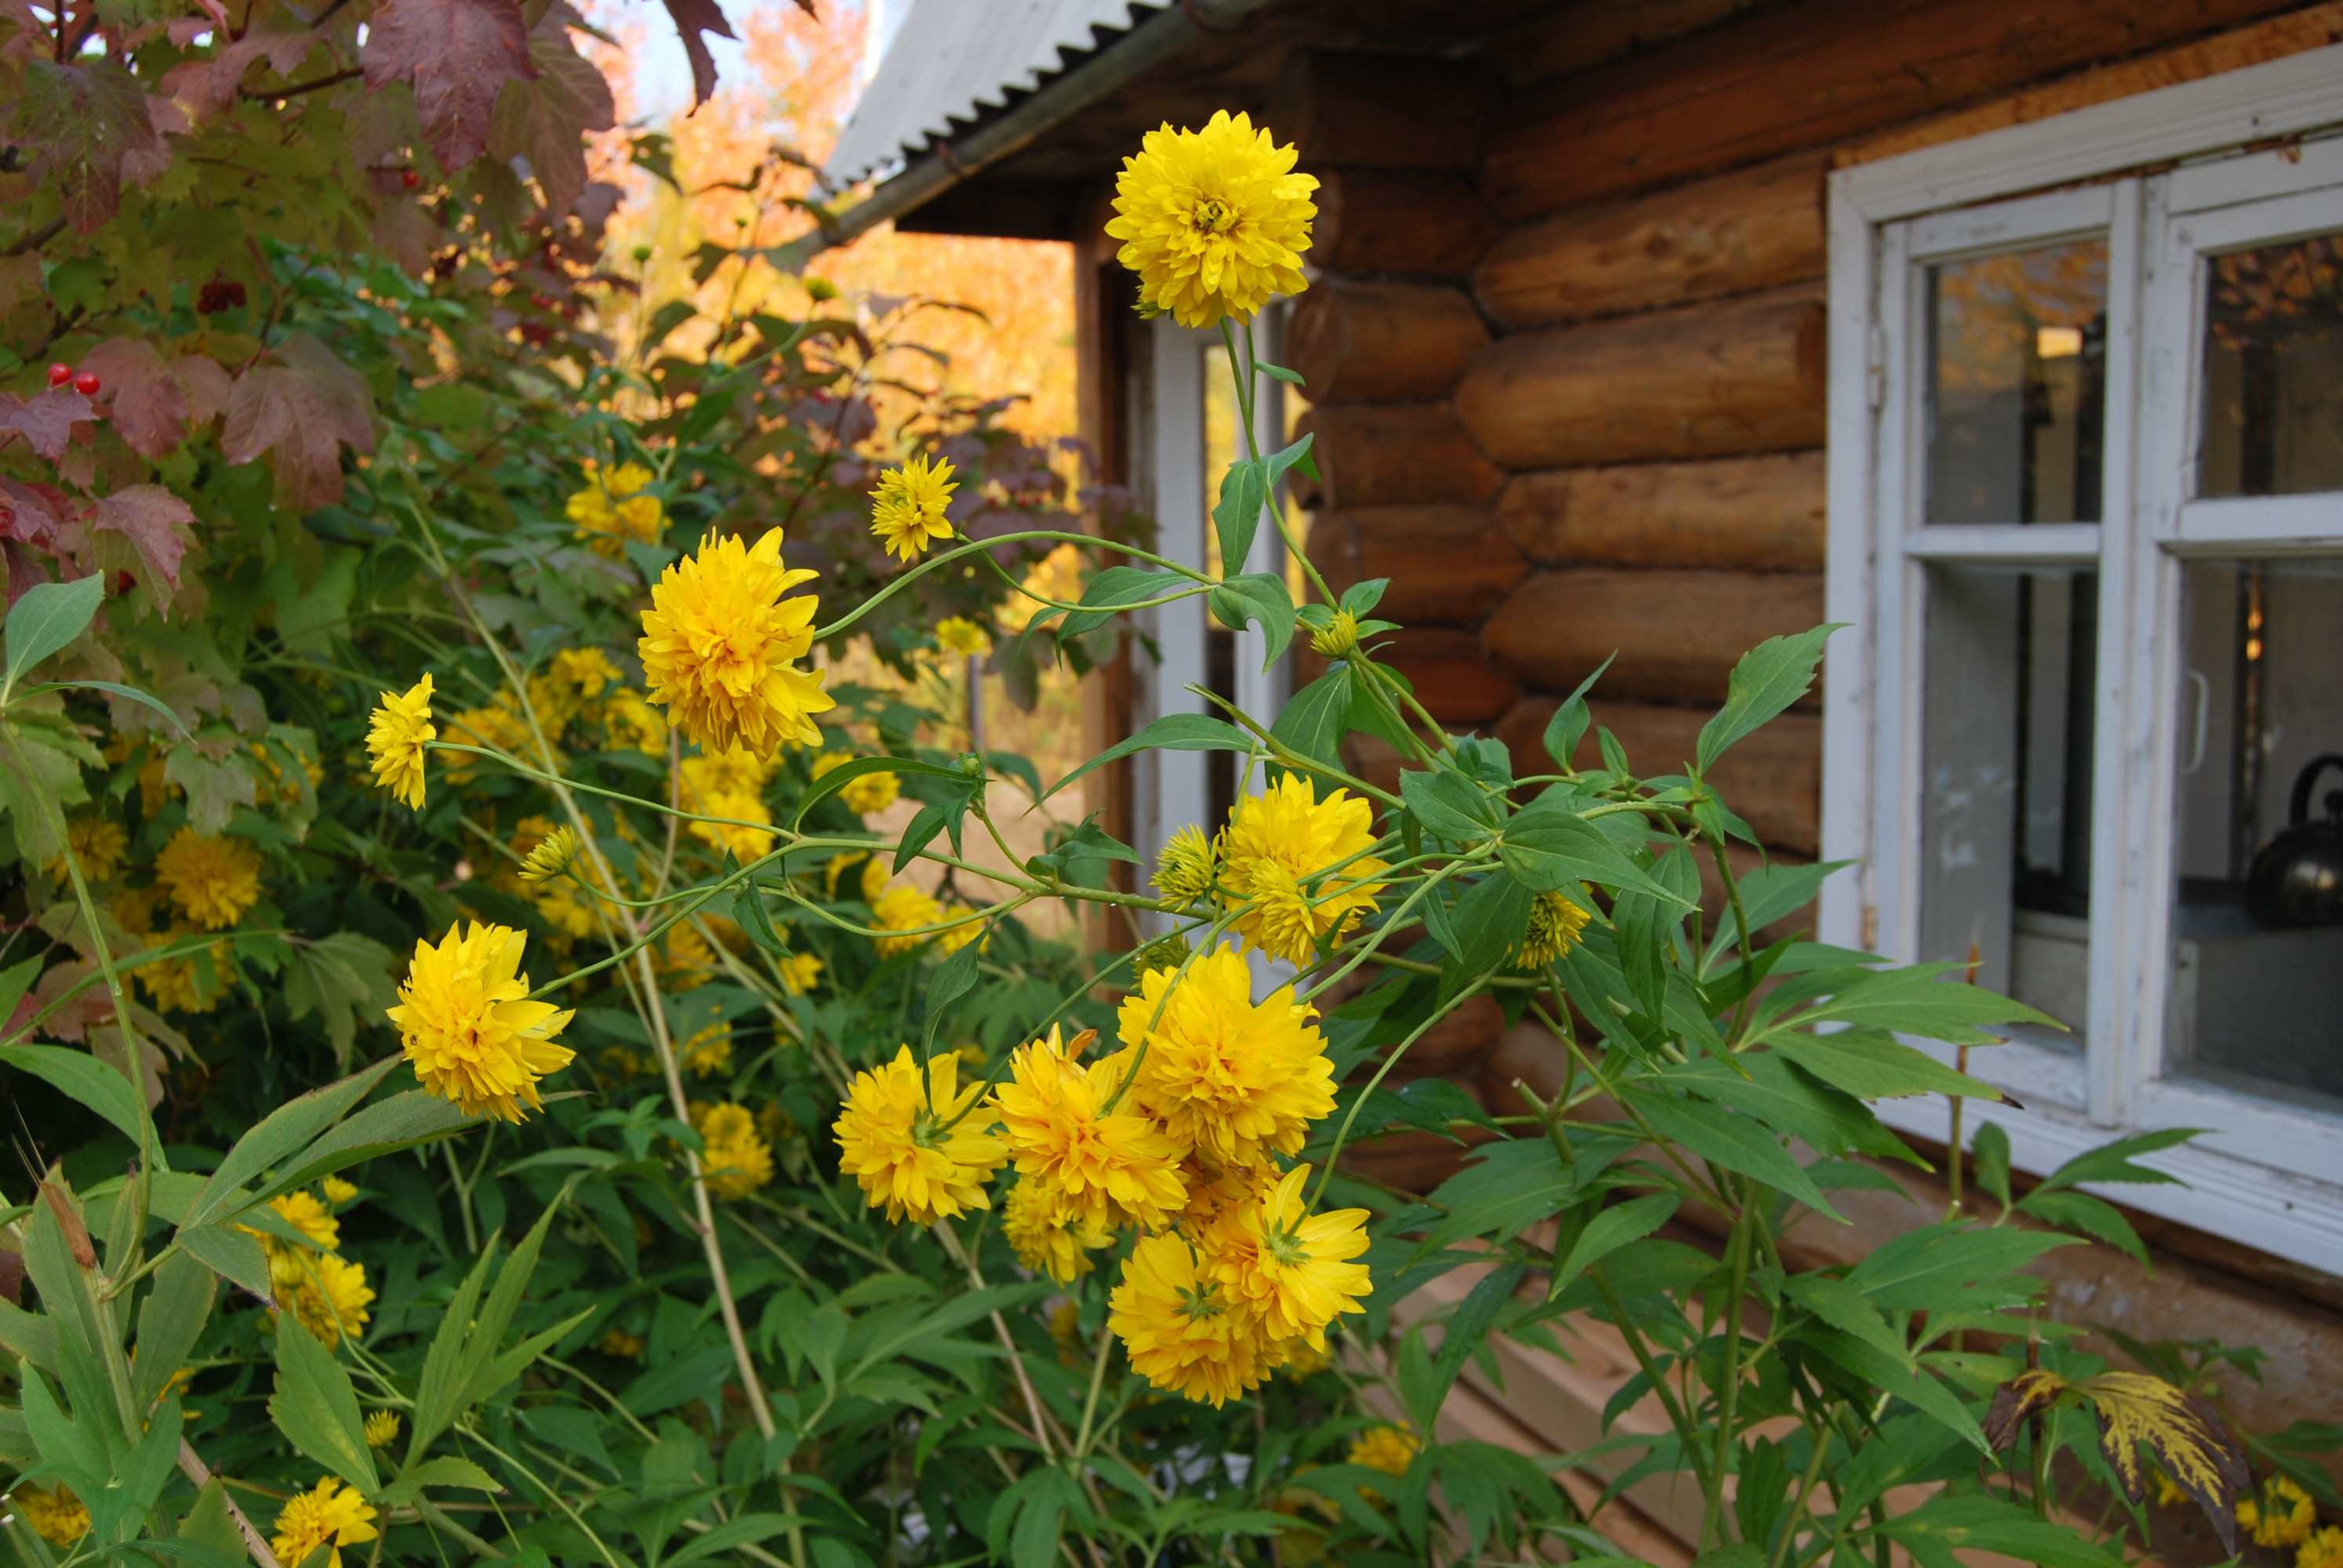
458	54
45	420
304	411
546	120
2185	1434
155	521
693	18
2029	1393
79	121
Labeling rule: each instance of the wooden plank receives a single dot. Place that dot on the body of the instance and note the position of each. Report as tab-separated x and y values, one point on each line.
1382	454
1705	380
1803	75
1381	110
1755	228
1592	32
1452	673
1447	565
1677	633
1355	342
1764	512
1400	220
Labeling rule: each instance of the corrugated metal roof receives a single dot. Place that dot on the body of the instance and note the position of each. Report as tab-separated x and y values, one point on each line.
953	59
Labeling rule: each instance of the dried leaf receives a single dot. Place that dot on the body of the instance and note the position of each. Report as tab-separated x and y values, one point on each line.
458	54
155	521
693	18
2029	1393
46	420
2182	1430
546	120
79	121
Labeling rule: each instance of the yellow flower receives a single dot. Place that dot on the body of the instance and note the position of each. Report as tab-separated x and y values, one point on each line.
98	844
1213	221
551	857
610	511
306	1215
619	1343
685	960
1304	1359
1226	1077
962	637
214	881
734	1161
1390	1449
585	672
722	786
1185	872
907	510
800	972
1555	924
326	1517
173	985
719	643
1179	1326
466	1024
1337	638
1051	1232
1291	1266
396	738
1281	846
1109	1166
328	1294
864	796
2323	1550
632	723
709	1051
2284	1515
909	1143
381	1428
338	1191
903	909
55	1515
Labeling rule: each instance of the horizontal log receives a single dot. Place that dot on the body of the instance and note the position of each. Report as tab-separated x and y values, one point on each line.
1803	75
1764	512
1772	779
1703	381
1592	32
1400	220
1677	633
1354	342
1387	454
1755	228
1447	565
1379	110
1452	673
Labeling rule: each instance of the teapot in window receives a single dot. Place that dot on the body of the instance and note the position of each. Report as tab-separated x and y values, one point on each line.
2296	878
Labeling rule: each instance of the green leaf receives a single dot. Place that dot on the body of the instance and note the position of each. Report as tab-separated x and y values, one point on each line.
1872	1064
402	1121
1550	847
445	1470
2113	1161
1786	1099
1449	805
1914	999
1611	1230
1173	732
1768	893
2091	1216
1768	680
1467	1327
1489	922
1992	1149
280	1132
1236	517
742	1530
1900	1376
341	978
1734	1142
1280	373
1568	726
230	1253
177	1305
1316	719
1971	1522
749	912
81	1078
119	689
1113	590
317	1409
15	981
48	617
1256	595
846	773
1953	1268
1849	1310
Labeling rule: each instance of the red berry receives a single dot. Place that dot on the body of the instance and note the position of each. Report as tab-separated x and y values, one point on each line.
123	583
86	384
60	374
409	179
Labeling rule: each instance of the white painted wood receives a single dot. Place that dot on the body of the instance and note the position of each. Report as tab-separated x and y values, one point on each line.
1848	779
2045	544
1260	691
2012	225
2257	176
2262	523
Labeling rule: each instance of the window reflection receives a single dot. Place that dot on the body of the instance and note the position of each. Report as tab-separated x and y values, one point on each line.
2017	352
2274	370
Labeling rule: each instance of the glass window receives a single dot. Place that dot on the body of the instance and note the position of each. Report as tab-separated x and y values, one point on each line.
2274	370
2006	812
2017	355
2257	928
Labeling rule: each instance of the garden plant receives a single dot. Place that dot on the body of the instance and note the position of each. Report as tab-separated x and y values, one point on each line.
487	1088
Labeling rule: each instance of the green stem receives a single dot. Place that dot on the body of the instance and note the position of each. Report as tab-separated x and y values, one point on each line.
1728	1389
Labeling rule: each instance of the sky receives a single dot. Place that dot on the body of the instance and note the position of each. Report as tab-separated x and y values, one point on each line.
663	76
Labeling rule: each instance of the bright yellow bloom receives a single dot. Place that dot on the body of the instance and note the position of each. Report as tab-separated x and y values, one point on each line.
632	723
612	510
468	1026
1213	221
905	908
1109	1167
326	1515
1189	864
381	1428
173	985
99	845
551	857
907	510
950	940
893	1139
1226	1077
800	972
1050	1231
719	643
328	1294
338	1191
734	1161
1179	1326
1213	1191
1303	1360
1280	846
1390	1449
396	738
962	637
2284	1514
585	672
731	786
55	1515
1555	924
709	1051
214	881
306	1215
685	960
2323	1550
1291	1266
1337	638
864	796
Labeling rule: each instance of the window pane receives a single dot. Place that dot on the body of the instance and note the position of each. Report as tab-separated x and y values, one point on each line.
2006	812
2274	370
2018	353
2258	981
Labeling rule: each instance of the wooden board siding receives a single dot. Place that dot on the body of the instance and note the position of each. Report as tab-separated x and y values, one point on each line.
1411	221
1764	513
1445	564
1361	342
1397	454
1677	633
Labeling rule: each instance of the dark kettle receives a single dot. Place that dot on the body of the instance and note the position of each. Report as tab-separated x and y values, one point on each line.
2296	878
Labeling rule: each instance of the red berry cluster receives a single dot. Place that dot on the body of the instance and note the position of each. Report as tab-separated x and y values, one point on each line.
86	384
220	294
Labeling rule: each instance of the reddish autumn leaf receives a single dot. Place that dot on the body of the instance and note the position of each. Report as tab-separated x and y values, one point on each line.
458	54
207	86
47	420
304	410
30	512
79	122
154	519
693	18
546	120
153	399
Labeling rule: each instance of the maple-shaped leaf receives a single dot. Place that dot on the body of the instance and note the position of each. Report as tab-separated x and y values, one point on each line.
303	409
458	54
45	421
546	120
154	519
206	87
30	512
78	121
693	18
152	400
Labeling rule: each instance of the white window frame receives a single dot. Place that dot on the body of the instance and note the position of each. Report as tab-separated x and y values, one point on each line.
2164	177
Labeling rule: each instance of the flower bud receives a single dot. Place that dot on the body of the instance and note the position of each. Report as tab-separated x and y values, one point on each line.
1338	638
550	857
